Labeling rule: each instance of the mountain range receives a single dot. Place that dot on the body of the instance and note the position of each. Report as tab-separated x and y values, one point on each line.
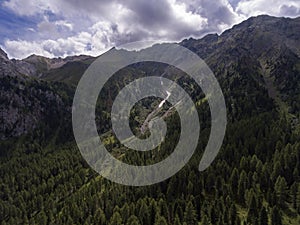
267	46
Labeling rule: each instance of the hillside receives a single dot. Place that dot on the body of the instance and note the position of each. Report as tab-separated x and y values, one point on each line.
254	180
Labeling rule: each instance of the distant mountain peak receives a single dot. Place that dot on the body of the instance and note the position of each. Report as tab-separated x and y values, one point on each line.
44	64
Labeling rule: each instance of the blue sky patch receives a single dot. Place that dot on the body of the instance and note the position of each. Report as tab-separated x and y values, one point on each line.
13	26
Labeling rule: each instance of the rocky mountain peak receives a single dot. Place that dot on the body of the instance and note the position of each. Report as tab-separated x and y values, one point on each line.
3	55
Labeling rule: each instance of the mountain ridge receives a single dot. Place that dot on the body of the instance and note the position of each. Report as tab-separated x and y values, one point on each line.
259	46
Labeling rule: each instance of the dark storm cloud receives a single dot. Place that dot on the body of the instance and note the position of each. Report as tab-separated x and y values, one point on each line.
149	17
151	12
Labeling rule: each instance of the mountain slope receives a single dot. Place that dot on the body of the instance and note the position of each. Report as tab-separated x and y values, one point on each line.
269	49
28	103
254	180
56	69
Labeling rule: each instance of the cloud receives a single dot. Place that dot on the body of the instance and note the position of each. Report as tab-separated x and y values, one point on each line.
107	23
290	8
219	13
22	49
90	27
62	23
54	29
94	42
75	45
28	8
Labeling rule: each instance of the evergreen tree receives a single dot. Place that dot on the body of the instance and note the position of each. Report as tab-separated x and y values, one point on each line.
234	181
144	214
161	221
233	214
42	218
237	221
177	220
99	217
252	208
281	190
125	211
294	193
213	215
242	187
190	214
153	208
116	219
163	208
263	216
205	220
133	220
276	217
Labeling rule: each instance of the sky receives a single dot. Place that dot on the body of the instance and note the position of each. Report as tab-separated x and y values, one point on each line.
59	28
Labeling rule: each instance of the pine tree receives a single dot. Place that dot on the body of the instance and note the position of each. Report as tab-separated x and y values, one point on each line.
144	214
42	218
161	221
163	208
276	217
242	187
205	221
233	214
252	208
190	214
177	220
133	220
294	193
213	215
99	217
116	219
237	221
125	211
153	208
264	178
234	181
281	190
263	216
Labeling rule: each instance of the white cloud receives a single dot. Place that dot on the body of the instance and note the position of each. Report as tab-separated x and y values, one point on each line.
22	49
95	42
190	22
55	29
30	7
62	23
102	23
270	7
89	27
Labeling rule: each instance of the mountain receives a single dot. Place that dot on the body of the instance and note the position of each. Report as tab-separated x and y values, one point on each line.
3	55
267	47
28	103
254	180
257	35
50	68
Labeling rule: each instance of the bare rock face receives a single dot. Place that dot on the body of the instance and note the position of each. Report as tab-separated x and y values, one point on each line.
3	55
26	103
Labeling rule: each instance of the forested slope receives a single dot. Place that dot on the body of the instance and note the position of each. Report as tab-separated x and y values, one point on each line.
254	180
